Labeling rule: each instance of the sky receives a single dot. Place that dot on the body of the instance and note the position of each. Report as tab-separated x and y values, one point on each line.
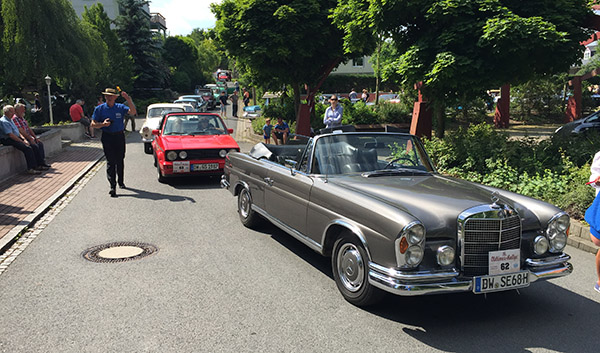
183	16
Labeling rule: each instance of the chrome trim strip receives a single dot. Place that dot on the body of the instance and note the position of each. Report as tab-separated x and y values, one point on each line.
561	271
548	261
352	228
291	231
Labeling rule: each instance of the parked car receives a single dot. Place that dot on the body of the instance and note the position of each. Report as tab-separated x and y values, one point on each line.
154	114
191	144
590	123
199	99
208	97
375	204
191	101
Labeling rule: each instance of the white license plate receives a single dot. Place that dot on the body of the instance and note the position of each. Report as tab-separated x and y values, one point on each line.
181	167
485	284
205	166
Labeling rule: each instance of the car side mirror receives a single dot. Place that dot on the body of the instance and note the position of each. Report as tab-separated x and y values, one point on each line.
155	132
230	131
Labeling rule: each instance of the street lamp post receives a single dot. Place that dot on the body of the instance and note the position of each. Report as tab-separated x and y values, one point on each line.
48	81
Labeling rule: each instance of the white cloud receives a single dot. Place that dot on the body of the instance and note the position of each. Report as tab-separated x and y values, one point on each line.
183	16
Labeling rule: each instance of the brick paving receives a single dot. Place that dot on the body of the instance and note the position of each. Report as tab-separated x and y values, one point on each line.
24	197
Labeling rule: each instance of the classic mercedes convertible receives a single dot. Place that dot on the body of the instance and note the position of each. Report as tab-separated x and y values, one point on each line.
375	204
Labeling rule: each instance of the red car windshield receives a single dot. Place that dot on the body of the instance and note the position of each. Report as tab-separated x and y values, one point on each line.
194	125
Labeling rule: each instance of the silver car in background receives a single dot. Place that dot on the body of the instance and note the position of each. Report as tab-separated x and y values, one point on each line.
375	204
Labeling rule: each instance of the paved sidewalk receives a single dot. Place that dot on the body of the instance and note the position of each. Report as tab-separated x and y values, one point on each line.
24	198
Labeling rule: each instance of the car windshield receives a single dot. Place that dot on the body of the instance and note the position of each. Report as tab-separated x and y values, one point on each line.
372	154
160	112
194	124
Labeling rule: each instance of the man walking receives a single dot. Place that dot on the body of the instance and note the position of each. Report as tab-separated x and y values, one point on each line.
10	136
234	103
110	117
223	100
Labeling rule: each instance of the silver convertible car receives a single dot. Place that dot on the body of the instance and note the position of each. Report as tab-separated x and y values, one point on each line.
375	204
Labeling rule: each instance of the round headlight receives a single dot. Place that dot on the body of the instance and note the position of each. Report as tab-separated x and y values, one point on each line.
183	154
540	245
222	153
562	223
415	234
171	155
445	255
558	242
414	255
233	150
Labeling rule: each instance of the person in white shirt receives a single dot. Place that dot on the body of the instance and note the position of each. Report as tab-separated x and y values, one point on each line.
333	113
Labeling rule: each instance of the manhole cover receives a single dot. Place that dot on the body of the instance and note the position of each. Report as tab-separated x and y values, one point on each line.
119	252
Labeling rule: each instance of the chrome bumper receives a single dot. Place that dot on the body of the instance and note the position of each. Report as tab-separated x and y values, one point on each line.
224	183
406	283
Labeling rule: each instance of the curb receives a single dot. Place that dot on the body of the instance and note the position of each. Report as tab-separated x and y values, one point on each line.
579	237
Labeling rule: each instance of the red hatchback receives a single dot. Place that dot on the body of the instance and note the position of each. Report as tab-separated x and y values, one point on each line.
191	144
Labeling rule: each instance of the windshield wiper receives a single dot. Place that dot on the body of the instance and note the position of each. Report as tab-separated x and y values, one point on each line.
395	171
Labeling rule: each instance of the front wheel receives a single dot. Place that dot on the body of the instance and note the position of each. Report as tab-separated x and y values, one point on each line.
161	177
148	148
351	272
248	216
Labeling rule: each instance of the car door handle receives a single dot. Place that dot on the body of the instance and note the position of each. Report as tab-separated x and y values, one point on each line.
269	181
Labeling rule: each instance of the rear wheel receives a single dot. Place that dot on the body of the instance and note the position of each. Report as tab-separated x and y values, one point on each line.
351	272
248	216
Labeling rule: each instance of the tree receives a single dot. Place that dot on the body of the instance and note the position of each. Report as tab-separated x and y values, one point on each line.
279	42
133	29
181	54
463	47
41	37
118	68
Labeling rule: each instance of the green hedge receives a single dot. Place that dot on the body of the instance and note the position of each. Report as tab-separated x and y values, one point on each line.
554	170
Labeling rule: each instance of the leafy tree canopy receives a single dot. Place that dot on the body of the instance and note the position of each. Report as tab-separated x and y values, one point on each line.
461	47
279	42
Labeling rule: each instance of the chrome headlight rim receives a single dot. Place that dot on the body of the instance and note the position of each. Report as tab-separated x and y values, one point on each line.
557	232
414	255
171	155
445	255
222	153
182	154
541	245
414	233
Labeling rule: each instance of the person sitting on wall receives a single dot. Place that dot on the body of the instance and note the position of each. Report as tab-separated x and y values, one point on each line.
27	133
281	131
10	136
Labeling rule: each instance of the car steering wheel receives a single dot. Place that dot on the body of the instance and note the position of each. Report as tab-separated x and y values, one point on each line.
397	159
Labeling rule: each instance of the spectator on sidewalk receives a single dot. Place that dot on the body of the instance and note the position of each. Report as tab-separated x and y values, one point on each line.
333	113
281	131
10	136
234	103
353	96
365	95
27	133
223	100
77	115
267	130
110	118
592	215
246	97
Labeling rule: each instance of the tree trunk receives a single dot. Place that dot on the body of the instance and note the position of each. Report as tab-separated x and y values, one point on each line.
440	119
377	71
296	87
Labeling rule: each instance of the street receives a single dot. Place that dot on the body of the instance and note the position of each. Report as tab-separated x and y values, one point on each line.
216	286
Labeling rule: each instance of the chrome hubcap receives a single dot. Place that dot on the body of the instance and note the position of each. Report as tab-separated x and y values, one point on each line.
350	267
244	204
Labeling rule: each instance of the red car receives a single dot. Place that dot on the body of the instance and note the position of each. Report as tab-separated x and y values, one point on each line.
191	144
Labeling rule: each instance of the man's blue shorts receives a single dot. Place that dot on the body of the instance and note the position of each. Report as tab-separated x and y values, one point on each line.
595	233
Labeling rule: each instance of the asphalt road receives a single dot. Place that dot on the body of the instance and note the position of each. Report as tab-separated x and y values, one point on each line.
216	286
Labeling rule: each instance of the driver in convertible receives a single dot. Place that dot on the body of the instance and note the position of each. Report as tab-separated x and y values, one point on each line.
205	125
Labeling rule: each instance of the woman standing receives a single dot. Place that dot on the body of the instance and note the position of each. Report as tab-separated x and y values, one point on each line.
333	113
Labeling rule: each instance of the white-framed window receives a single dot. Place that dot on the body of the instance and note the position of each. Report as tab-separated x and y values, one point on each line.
358	62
